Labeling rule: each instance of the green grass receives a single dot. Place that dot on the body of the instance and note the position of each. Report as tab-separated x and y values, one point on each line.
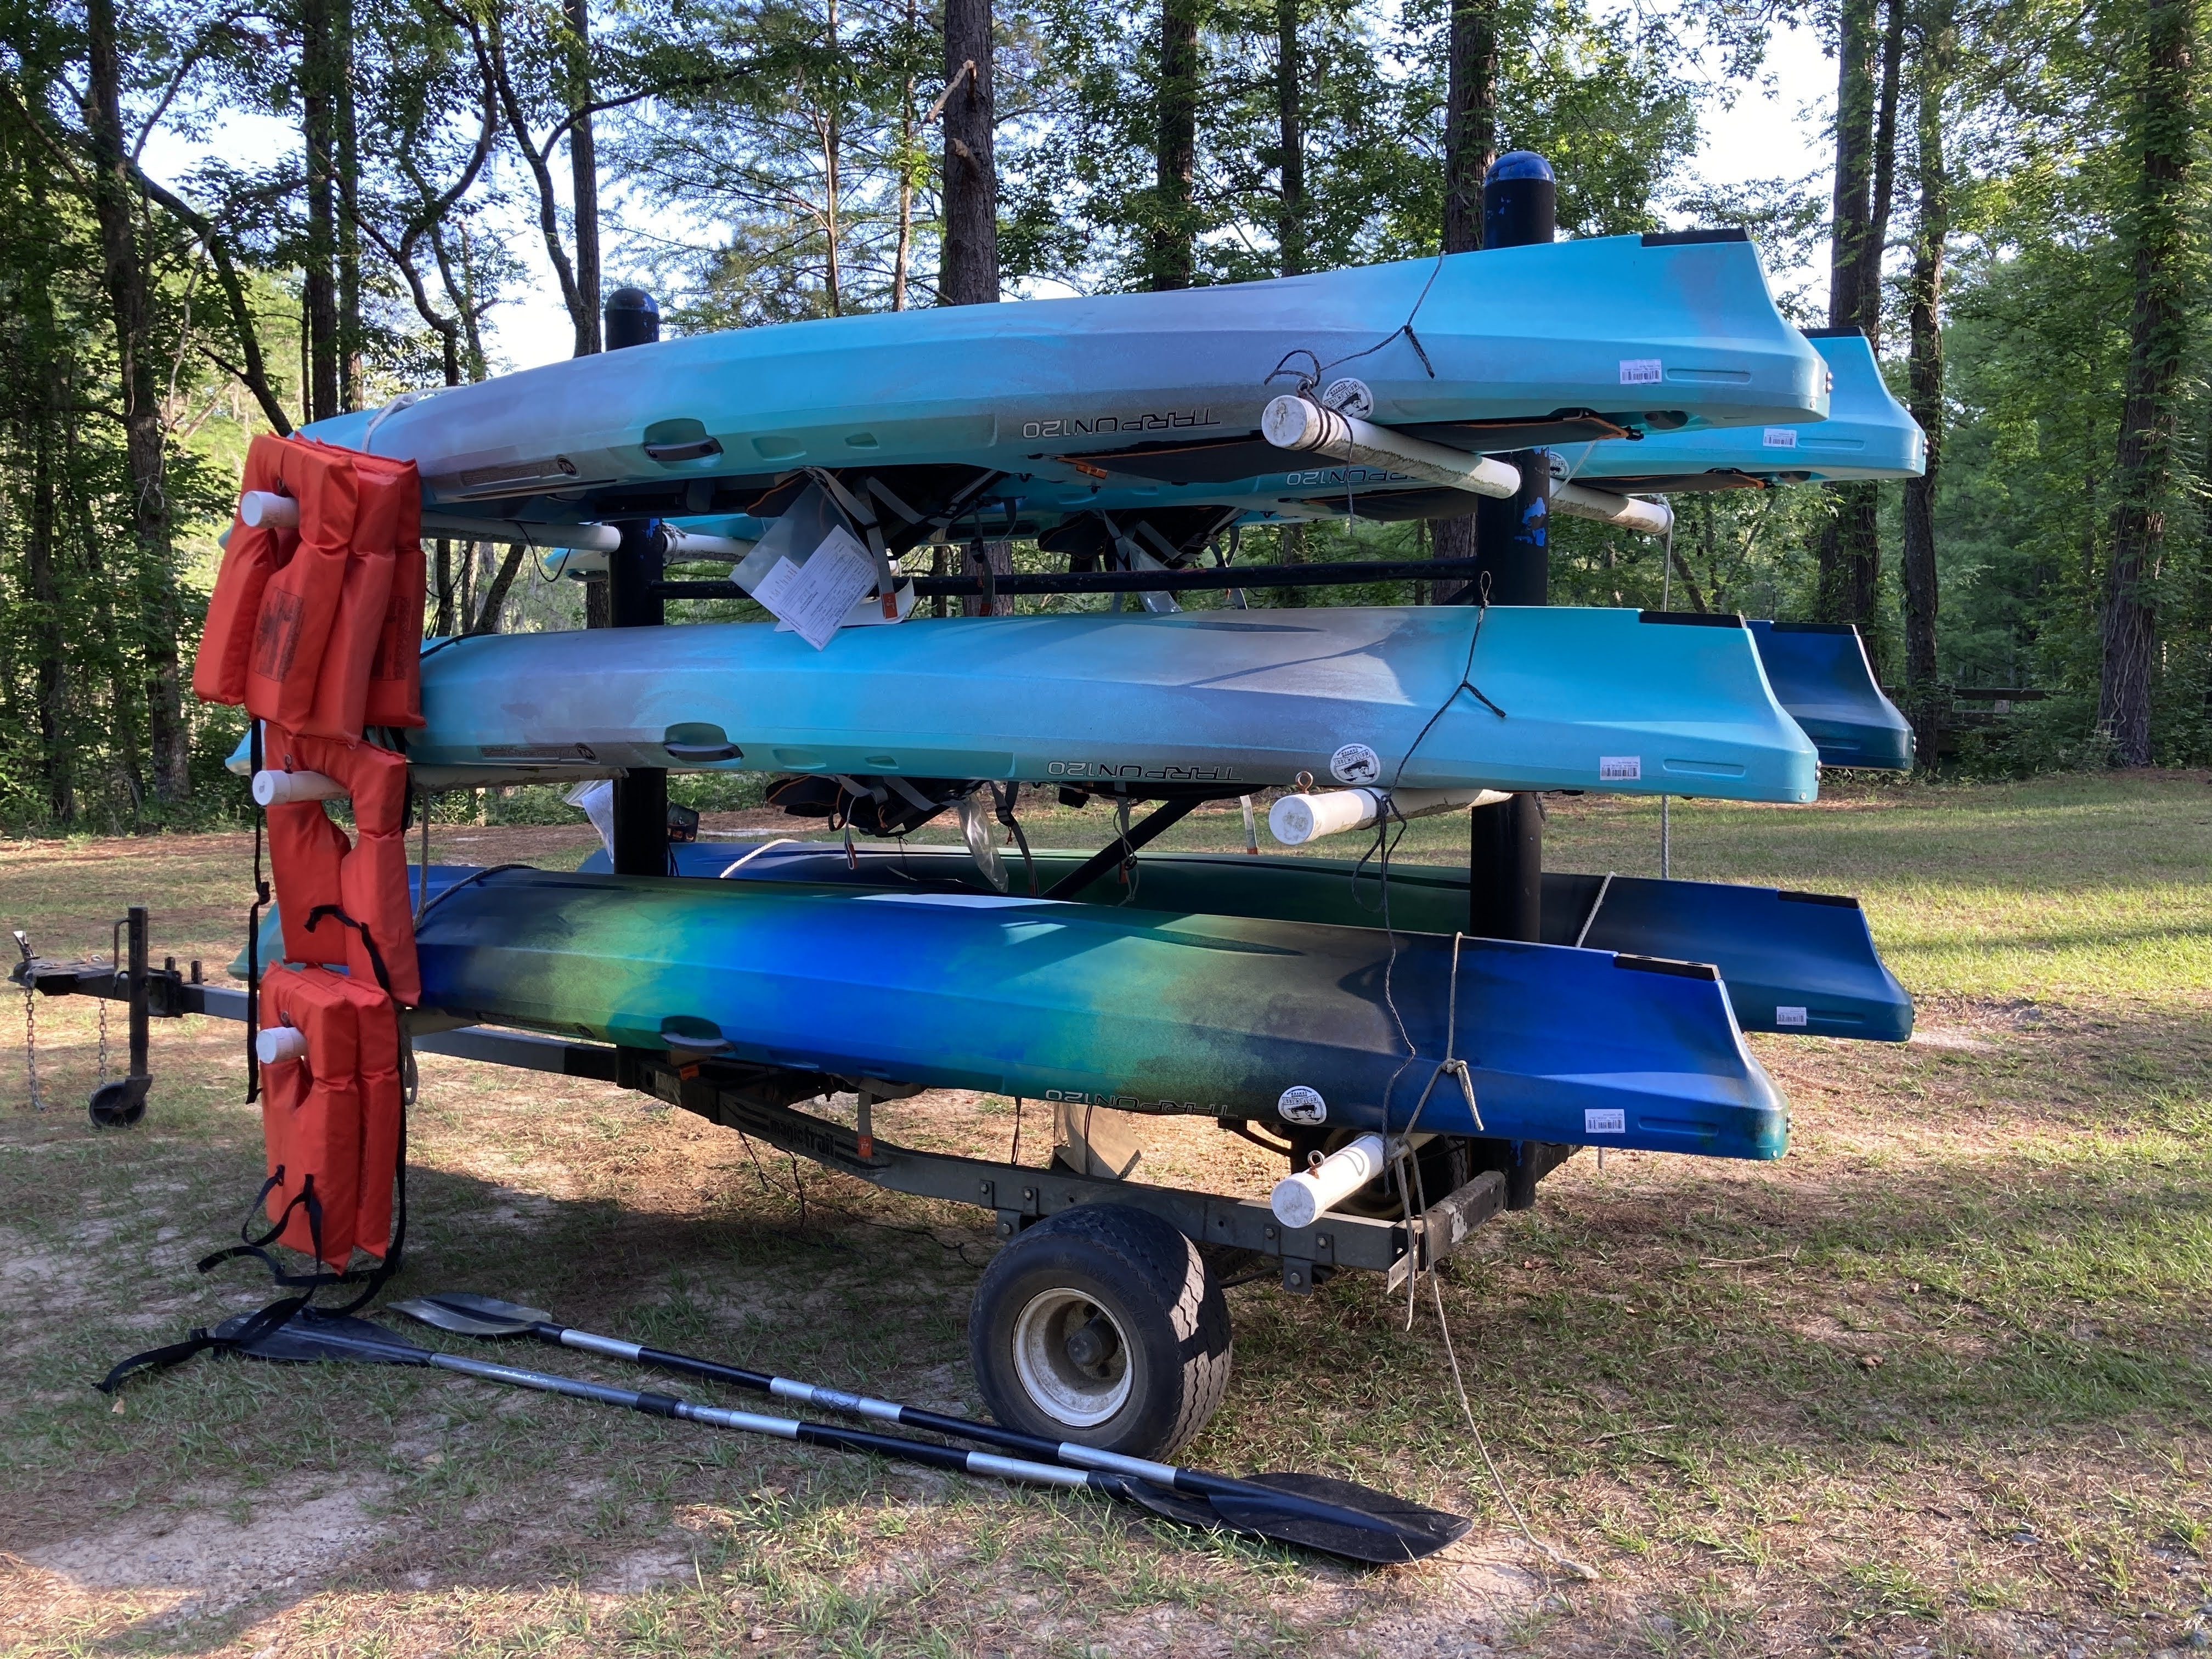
1938	1380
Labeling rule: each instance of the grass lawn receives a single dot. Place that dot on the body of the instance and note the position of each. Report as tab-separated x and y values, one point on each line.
1938	1382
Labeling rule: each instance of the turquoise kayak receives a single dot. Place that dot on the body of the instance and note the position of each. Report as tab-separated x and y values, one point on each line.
1148	1011
1481	351
1801	963
1868	434
1221	702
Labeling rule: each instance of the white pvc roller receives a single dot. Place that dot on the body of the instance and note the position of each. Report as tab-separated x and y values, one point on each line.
579	537
282	788
1295	820
1628	511
280	1043
1300	1200
1301	424
264	509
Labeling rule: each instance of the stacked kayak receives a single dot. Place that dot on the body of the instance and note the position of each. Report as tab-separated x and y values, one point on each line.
1135	1009
1422	697
1802	963
1489	351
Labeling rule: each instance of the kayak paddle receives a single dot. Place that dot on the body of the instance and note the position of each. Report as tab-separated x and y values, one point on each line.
1340	1517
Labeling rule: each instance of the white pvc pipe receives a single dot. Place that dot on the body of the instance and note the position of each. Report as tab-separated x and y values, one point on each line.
272	788
579	537
1301	424
1581	501
280	1043
1303	1199
1295	820
264	509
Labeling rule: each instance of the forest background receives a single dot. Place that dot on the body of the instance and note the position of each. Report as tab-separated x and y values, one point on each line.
2015	215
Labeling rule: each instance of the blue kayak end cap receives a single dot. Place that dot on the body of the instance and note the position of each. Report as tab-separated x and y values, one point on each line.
1517	164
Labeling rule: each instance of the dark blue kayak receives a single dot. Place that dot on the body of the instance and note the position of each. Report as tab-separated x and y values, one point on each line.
1799	962
1821	674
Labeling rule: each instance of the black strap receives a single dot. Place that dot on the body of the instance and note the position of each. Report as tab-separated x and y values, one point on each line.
368	940
200	1341
253	932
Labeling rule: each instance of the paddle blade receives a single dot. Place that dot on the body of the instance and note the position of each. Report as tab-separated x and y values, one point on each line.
471	1314
1402	1531
307	1341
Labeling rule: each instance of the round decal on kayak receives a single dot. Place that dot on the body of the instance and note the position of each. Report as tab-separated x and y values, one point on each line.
1302	1105
1349	397
1355	763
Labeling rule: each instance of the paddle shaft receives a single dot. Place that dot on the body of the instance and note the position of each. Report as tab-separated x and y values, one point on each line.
962	1428
784	1428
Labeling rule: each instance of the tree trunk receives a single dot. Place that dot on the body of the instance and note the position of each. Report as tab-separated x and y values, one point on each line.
145	442
348	160
1925	320
968	273
46	627
494	599
2158	342
1174	254
1470	146
584	176
318	104
903	259
1850	548
1470	119
1885	172
1290	136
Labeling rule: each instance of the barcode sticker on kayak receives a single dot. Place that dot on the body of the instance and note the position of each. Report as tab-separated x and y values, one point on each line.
1641	371
814	597
1781	437
1620	768
1605	1122
1789	1017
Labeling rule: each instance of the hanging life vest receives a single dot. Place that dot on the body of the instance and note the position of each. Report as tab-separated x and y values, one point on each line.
345	903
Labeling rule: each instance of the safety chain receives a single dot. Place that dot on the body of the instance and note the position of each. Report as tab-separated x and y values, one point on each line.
30	1024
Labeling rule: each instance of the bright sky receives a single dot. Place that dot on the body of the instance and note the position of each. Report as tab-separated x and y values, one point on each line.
1777	129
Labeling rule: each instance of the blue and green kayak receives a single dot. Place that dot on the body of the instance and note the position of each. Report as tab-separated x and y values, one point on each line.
1797	963
1148	1010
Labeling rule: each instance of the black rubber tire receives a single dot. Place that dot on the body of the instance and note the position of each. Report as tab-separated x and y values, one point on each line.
119	1102
1158	1291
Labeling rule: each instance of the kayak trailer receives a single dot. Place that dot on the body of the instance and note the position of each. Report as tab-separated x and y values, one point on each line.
1077	1329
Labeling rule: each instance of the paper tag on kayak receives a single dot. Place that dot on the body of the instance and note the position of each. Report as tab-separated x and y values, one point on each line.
1620	768
814	597
1641	371
1790	1017
1781	437
1599	1121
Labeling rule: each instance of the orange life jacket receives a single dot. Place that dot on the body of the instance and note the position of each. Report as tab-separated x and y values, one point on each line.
219	672
311	1115
345	903
299	602
395	676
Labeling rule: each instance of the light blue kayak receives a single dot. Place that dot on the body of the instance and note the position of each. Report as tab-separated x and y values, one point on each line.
1868	434
1223	700
1490	350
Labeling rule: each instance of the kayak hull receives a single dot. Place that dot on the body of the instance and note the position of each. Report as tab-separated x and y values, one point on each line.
1641	330
1416	697
1820	673
1810	954
1141	1011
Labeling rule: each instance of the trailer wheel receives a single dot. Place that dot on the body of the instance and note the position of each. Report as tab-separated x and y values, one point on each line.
119	1102
1102	1325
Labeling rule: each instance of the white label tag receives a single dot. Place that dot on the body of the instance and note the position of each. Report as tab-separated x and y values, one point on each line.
1781	437
1620	768
1789	1017
814	597
1300	1105
1641	371
1605	1122
1355	763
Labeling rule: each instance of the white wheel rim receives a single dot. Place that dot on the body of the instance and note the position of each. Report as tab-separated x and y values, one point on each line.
1081	1397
